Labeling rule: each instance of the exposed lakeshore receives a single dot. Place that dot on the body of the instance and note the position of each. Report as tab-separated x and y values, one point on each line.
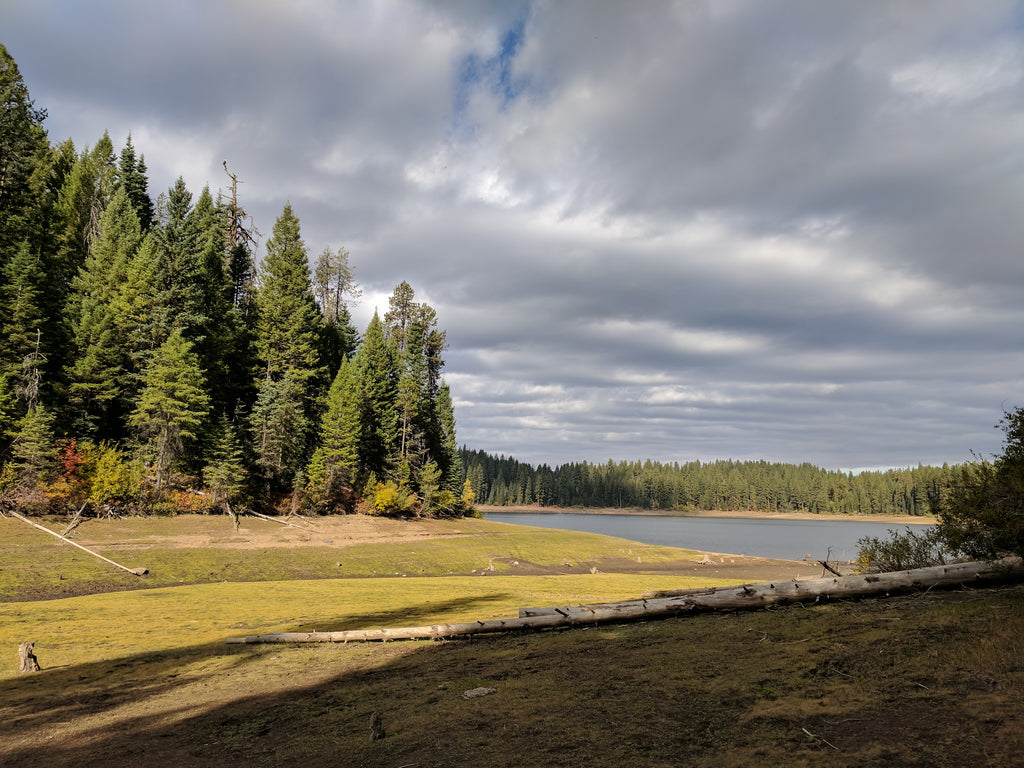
748	514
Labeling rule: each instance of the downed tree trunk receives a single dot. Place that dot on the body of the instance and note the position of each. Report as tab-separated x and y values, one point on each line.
135	571
276	520
744	597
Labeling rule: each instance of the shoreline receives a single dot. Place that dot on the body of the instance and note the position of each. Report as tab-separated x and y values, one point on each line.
744	514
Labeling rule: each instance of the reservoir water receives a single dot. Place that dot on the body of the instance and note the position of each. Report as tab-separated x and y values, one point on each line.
779	538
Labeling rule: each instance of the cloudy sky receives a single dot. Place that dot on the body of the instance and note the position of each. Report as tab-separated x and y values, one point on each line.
758	229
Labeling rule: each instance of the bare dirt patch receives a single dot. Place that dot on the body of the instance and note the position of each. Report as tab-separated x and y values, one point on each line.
201	532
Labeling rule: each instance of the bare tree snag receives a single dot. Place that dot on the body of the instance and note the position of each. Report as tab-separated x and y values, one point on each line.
745	597
27	659
135	571
231	513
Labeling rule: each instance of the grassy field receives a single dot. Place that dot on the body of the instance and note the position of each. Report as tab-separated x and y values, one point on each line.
137	673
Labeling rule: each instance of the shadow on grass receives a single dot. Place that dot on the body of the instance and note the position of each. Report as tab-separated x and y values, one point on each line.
406	617
157	673
771	688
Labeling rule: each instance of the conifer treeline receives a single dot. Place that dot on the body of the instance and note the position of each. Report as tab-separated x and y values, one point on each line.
142	352
721	485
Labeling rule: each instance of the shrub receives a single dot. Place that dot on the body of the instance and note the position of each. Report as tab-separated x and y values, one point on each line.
114	484
392	499
981	517
901	551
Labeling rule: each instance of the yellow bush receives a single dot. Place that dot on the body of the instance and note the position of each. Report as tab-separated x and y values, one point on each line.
392	499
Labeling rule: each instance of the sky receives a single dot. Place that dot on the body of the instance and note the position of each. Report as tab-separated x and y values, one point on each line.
775	230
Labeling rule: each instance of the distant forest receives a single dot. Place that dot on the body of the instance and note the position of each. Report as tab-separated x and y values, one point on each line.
147	363
721	485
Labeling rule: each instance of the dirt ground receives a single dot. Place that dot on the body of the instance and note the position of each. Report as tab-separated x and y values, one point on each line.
341	530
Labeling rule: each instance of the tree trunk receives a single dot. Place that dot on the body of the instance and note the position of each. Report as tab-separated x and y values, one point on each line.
744	597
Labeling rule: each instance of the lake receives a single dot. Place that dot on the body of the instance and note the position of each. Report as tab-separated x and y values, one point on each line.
783	539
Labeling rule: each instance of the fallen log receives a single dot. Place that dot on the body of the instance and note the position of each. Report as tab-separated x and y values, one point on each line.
743	597
135	571
278	521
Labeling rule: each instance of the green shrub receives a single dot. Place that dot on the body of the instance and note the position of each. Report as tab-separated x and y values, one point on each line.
114	484
982	516
901	551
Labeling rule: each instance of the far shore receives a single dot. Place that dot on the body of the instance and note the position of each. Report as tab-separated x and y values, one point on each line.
750	514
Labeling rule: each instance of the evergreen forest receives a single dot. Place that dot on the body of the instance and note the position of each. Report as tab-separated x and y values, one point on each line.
147	363
720	485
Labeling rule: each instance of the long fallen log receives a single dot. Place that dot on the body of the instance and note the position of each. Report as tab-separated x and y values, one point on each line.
743	597
134	571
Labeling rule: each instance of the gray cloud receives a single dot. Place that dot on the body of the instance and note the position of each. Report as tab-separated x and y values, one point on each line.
786	230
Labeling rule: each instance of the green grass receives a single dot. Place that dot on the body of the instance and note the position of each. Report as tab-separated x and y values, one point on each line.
33	565
108	626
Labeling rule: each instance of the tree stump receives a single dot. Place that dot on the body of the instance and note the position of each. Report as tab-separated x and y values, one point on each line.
29	662
376	727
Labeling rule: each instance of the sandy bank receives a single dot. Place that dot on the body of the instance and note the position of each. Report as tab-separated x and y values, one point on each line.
749	514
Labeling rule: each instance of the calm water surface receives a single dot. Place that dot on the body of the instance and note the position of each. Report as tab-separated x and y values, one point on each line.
782	539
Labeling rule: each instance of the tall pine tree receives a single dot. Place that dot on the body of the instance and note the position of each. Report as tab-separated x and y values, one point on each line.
288	331
99	372
131	174
377	371
173	402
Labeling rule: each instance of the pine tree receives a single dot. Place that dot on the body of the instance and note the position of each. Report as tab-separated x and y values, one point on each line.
137	307
341	427
173	402
291	377
22	294
131	174
401	310
287	329
99	372
334	286
103	167
241	237
179	274
73	213
221	331
225	473
449	459
377	371
8	409
413	403
34	450
279	424
23	145
334	283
